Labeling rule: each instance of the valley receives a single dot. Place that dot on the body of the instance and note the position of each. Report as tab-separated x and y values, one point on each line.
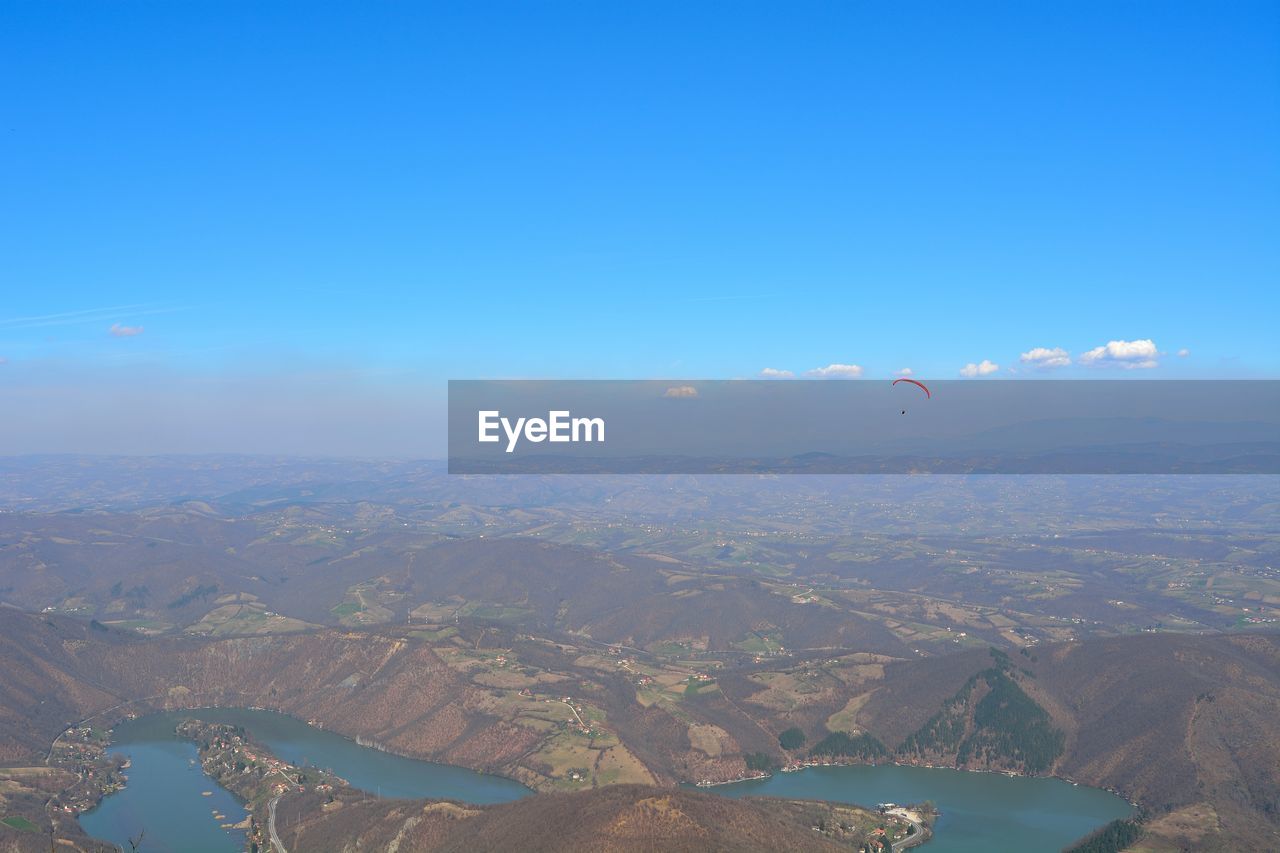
585	635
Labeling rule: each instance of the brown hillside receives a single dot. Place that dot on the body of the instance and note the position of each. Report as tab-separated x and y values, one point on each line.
1171	721
1175	720
1168	720
618	818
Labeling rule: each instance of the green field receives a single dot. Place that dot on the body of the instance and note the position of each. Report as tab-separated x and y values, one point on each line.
20	823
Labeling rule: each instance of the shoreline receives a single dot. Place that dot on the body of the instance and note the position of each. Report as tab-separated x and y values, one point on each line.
796	768
120	716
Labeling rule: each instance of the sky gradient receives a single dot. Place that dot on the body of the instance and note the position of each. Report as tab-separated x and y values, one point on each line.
281	227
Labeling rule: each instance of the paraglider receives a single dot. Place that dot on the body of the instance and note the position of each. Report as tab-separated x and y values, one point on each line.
916	383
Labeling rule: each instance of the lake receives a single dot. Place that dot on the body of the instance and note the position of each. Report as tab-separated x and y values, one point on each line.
164	795
981	812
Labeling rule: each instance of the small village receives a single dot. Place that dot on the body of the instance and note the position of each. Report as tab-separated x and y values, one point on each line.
251	773
82	750
889	829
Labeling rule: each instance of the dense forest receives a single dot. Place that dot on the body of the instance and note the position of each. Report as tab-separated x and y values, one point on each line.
842	745
792	738
1112	838
1006	726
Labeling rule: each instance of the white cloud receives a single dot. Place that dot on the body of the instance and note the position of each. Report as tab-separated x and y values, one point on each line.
1046	357
124	331
774	373
982	368
906	371
1184	352
836	371
681	392
1129	355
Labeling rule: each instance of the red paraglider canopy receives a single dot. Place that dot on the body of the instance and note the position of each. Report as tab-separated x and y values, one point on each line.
919	385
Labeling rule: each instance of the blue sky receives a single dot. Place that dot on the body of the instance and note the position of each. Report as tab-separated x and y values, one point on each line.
333	208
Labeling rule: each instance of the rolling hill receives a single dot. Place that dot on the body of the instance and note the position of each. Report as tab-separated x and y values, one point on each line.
623	818
1181	724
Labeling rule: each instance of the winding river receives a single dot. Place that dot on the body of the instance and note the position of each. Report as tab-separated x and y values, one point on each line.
981	812
166	795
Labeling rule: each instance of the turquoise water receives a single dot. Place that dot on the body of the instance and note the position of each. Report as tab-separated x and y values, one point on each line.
981	812
163	802
163	797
